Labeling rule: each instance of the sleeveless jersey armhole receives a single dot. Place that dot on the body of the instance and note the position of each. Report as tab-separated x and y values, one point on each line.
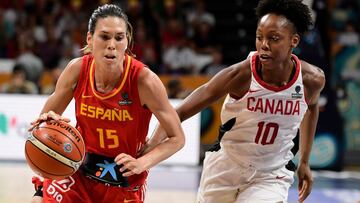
85	60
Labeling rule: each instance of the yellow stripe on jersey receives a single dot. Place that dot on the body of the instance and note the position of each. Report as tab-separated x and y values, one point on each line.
121	84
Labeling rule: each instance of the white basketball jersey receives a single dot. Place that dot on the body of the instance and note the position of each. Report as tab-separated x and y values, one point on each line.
267	120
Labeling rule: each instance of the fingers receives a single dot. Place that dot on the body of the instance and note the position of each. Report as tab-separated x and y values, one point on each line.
128	173
304	190
130	165
51	115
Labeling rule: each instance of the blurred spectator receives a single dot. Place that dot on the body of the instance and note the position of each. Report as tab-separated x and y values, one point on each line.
176	90
216	65
349	37
49	49
198	16
49	87
204	40
144	47
18	83
179	58
32	64
134	10
172	33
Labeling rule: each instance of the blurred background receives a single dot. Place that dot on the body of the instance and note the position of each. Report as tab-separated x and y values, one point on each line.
185	42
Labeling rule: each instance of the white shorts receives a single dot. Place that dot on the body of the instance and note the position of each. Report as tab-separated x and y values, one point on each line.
226	181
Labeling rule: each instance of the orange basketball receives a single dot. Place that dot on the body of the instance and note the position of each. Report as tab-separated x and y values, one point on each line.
54	150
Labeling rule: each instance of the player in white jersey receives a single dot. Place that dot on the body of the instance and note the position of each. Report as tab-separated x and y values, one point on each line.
269	97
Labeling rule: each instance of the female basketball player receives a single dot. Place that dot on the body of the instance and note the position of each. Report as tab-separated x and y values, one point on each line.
115	96
270	95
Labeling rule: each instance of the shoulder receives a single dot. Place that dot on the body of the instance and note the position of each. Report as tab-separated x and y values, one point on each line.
152	92
236	72
71	73
146	75
313	80
313	76
236	78
148	80
74	66
75	63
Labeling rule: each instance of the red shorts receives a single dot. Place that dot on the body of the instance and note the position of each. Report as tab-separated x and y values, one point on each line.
80	189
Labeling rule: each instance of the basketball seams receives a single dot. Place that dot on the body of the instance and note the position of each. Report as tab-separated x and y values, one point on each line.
52	149
38	168
74	143
62	159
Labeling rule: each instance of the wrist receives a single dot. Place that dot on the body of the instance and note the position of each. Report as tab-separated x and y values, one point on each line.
145	162
304	162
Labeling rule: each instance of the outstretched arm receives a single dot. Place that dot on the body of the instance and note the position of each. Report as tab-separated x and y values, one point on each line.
153	95
233	79
61	97
314	81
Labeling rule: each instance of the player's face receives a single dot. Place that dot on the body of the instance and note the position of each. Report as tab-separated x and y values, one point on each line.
275	39
109	41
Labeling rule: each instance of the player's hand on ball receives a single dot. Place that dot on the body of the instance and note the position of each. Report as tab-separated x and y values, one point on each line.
51	115
130	166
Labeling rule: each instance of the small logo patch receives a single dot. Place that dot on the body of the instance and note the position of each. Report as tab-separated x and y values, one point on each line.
297	94
67	147
125	99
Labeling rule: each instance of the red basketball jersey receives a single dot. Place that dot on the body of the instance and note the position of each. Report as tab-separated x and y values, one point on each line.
114	122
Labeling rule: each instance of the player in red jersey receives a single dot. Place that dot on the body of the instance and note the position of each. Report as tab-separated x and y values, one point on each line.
269	97
115	96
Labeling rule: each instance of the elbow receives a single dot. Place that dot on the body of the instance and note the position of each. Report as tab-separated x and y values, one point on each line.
180	142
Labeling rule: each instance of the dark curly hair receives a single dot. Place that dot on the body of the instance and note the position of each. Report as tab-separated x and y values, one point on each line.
294	10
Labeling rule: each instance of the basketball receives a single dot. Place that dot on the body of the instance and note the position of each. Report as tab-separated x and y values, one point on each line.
54	150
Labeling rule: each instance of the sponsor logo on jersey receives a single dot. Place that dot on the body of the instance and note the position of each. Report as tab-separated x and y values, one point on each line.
105	168
64	185
297	94
125	99
57	187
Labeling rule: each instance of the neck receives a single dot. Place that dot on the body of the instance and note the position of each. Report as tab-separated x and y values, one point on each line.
278	76
107	78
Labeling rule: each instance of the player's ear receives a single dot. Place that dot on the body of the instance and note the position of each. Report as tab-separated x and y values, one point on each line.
295	40
89	39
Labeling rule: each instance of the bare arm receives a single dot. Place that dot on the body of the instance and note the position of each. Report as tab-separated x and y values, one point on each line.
153	95
314	81
234	79
61	97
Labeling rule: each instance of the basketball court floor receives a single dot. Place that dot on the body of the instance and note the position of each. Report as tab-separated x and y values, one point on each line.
174	184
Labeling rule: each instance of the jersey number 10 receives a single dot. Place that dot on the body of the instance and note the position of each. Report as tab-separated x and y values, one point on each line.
262	134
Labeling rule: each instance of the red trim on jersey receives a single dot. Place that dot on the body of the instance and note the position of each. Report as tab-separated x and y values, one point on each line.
103	96
234	96
255	59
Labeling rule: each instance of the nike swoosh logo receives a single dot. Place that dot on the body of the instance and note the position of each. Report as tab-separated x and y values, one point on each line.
129	200
86	96
280	177
252	91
